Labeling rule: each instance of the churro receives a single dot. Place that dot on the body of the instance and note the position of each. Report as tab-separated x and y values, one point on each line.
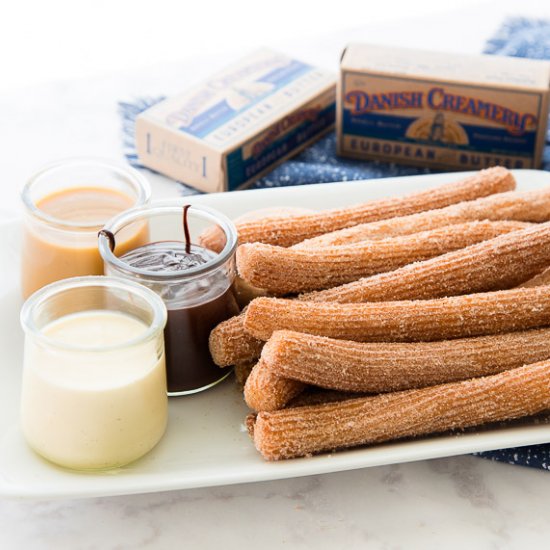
385	367
213	238
404	321
530	206
496	264
287	270
303	431
286	231
231	344
310	396
265	391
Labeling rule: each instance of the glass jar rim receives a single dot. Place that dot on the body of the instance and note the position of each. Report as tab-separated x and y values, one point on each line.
159	208
158	308
137	180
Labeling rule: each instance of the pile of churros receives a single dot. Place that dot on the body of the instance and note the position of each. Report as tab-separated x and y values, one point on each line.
394	318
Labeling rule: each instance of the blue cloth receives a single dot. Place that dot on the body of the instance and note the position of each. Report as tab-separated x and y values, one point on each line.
518	37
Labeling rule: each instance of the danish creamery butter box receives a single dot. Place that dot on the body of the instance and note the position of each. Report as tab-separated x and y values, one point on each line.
441	110
229	130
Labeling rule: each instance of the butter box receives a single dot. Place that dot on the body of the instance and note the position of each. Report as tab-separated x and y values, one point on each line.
232	128
441	110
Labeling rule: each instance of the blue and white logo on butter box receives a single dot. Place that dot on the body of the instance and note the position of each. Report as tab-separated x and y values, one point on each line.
223	98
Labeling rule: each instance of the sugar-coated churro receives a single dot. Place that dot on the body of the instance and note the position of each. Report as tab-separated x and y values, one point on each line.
231	344
404	321
310	396
530	206
385	367
287	270
496	264
290	230
265	391
303	431
214	238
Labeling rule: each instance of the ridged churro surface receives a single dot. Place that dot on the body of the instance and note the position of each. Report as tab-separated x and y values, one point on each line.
385	367
214	239
265	391
404	321
287	270
231	344
293	229
304	431
529	206
496	264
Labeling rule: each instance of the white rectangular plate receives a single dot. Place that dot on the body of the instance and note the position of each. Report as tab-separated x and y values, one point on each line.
206	443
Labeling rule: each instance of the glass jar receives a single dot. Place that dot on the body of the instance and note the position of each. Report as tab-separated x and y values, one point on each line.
94	378
198	293
65	205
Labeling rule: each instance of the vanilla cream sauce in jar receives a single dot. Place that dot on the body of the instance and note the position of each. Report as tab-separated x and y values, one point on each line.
94	379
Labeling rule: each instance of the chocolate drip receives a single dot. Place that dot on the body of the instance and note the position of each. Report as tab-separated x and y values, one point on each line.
186	229
110	237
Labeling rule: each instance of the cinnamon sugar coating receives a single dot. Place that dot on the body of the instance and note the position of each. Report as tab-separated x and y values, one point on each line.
231	344
214	238
529	206
404	321
384	367
496	264
286	231
289	270
303	431
265	391
500	263
310	396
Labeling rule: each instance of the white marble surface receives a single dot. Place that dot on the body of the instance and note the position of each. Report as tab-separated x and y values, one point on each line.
461	502
454	503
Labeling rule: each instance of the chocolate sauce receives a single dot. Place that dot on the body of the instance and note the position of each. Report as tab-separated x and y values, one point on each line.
195	306
189	365
186	233
110	237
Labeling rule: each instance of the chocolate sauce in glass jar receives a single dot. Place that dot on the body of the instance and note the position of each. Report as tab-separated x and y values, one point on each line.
195	283
189	365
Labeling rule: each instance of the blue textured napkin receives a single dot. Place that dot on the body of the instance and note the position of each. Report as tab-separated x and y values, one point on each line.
518	37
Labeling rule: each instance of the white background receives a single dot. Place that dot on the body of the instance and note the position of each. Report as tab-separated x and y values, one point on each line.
63	39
